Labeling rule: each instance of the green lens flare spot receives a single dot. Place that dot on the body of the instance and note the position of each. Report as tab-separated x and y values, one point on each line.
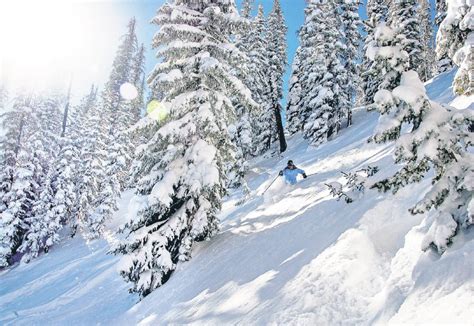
156	110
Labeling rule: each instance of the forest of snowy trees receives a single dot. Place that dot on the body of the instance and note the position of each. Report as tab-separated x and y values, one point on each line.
219	75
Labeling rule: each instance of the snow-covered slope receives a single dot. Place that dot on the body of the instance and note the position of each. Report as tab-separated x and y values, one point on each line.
293	256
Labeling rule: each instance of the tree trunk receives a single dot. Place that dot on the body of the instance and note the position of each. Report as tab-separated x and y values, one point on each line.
66	111
281	131
349	118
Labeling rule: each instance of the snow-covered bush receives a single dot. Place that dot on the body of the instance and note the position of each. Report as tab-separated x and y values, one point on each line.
335	189
354	181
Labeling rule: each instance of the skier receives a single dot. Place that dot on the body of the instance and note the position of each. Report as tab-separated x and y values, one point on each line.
291	172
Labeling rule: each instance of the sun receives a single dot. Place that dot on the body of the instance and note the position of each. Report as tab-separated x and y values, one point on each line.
44	43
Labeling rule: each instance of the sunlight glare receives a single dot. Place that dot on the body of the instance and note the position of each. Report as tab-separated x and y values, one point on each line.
46	42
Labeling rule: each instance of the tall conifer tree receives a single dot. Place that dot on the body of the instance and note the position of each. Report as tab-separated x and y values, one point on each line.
183	180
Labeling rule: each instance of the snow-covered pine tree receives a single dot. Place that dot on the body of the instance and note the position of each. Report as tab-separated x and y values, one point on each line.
247	7
65	180
120	74
3	99
322	101
439	141
348	13
404	18
241	131
441	9
137	76
444	62
428	68
7	146
449	203
370	77
257	48
184	180
269	123
11	226
309	67
294	95
455	38
256	81
275	39
118	150
24	157
91	131
43	225
136	107
49	112
13	220
390	60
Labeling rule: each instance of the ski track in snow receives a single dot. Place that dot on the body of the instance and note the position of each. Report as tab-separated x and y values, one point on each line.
294	256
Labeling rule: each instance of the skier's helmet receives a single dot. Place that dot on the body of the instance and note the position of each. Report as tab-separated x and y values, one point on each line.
290	163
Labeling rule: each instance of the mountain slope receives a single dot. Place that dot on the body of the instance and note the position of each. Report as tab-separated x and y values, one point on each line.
294	255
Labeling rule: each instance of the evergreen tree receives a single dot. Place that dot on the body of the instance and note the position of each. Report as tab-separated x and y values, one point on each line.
184	180
294	95
444	62
441	9
65	181
120	74
136	108
370	77
246	10
117	118
10	124
455	39
248	127
43	225
49	118
242	131
427	68
439	141
137	78
350	23
90	131
276	53
23	158
389	60
14	219
403	16
323	98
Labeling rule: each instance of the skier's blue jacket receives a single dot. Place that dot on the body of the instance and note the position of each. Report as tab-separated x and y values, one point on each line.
290	175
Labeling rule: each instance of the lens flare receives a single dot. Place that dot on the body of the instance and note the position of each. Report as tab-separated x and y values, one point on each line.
157	110
128	91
